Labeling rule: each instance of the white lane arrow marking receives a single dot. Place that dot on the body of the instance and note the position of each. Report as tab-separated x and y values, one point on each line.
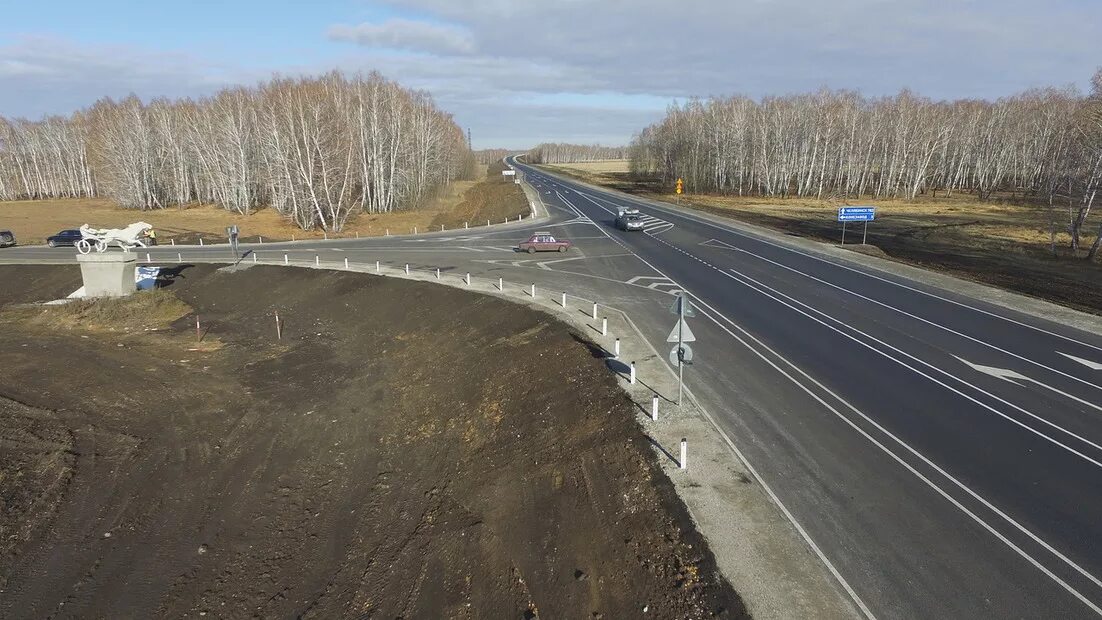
1087	363
1015	377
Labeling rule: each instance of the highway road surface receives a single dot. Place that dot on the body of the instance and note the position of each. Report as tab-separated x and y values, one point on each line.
942	455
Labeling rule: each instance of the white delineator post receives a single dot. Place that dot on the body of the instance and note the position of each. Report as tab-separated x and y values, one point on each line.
533	290
172	241
604	326
179	257
466	224
487	222
200	241
147	259
468	279
279	330
500	284
594	311
317	259
632	376
407	269
683	463
261	239
654	408
376	266
437	273
346	263
564	299
254	257
616	349
286	260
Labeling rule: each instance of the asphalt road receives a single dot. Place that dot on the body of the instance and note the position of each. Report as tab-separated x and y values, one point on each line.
944	455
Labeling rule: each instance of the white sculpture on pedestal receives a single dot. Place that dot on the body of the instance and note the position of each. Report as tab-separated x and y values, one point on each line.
130	237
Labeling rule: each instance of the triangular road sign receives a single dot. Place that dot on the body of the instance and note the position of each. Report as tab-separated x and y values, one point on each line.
680	300
685	333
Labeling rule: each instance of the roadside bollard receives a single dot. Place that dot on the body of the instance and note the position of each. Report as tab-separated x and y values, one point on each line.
179	257
254	257
376	266
415	230
632	376
317	259
594	311
172	241
684	454
286	261
468	279
564	299
437	273
262	239
505	221
200	241
357	234
533	290
487	222
325	234
466	224
346	263
441	228
279	328
616	349
500	284
388	232
407	269
147	259
292	237
604	326
654	408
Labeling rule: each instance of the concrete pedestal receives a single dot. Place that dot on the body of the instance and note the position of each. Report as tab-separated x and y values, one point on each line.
108	274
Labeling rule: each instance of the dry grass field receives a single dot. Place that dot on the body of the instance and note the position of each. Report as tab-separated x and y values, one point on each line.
1004	242
34	220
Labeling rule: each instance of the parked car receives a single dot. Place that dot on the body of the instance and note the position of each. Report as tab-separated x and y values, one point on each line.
628	220
64	238
7	238
543	242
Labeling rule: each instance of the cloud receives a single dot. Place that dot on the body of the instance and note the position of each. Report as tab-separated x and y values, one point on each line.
48	75
406	34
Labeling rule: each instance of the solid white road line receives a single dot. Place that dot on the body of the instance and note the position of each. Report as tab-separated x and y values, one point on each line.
924	320
688	216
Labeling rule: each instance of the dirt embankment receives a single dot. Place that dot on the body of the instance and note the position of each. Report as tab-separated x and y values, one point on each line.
407	450
1001	243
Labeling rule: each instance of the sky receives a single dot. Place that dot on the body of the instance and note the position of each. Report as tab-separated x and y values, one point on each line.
517	73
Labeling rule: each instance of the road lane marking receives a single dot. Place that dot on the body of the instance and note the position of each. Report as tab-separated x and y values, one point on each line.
913	316
1014	377
730	230
1085	362
913	451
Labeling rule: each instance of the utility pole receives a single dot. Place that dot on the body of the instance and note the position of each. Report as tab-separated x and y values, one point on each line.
469	147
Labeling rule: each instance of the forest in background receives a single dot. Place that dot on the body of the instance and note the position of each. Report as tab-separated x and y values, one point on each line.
1044	146
547	153
317	150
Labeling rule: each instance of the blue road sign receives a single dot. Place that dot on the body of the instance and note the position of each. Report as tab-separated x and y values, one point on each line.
856	214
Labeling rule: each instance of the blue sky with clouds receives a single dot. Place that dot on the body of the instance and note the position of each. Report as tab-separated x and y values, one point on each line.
519	72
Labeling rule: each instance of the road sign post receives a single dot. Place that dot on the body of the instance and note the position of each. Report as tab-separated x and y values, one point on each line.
856	214
681	334
679	189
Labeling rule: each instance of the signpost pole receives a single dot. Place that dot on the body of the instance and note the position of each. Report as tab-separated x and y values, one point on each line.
680	347
865	235
843	232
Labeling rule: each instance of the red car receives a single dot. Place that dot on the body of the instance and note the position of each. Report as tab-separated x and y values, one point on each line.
543	242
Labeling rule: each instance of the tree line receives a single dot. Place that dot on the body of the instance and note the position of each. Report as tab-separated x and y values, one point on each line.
1043	144
317	150
574	153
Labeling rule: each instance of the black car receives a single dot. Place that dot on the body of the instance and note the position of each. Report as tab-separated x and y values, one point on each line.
7	238
64	238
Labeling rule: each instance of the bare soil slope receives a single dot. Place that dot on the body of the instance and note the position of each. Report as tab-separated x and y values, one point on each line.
407	450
